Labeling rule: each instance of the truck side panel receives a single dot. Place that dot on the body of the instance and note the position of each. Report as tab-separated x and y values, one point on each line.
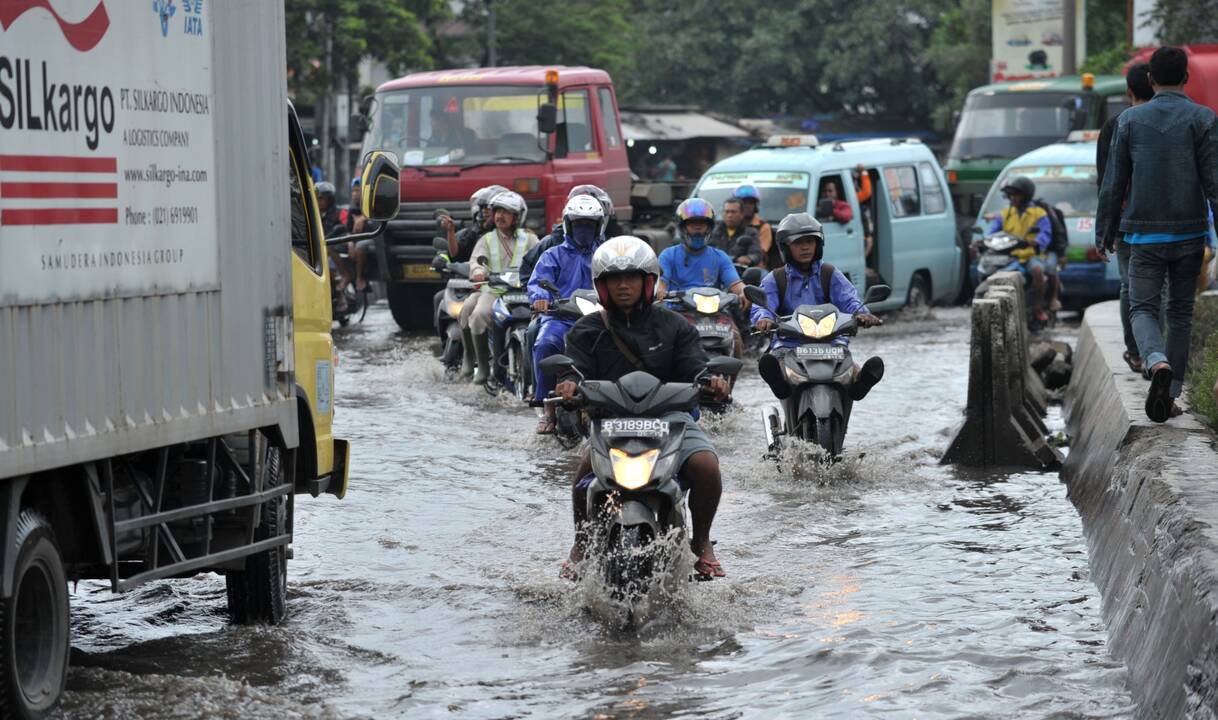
83	379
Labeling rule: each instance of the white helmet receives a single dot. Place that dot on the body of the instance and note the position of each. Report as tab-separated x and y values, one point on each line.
513	203
625	254
583	207
482	197
601	196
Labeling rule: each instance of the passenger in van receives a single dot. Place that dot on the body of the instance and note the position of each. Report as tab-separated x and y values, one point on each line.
862	190
841	212
750	204
735	237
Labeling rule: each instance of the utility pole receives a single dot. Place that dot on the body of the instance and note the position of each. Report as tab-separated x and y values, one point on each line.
1069	59
492	58
327	164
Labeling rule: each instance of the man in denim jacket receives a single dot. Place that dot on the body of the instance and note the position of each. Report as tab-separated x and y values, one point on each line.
1165	156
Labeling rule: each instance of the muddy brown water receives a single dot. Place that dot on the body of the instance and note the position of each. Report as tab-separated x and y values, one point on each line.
884	585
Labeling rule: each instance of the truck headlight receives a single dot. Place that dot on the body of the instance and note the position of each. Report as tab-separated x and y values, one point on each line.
633	471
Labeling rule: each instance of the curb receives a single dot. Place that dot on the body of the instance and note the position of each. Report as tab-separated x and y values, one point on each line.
1147	494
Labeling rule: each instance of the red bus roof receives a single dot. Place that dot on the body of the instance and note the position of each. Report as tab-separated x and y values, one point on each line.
521	75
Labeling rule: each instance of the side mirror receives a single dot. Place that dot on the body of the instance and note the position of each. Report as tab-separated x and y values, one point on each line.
824	208
439	244
877	293
547	118
723	365
753	276
757	296
555	364
382	183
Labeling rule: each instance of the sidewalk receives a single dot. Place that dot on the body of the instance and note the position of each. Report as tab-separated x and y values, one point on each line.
1147	494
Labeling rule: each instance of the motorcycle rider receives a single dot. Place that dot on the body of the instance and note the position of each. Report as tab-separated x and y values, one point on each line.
693	262
557	235
569	267
634	334
461	247
1030	224
734	236
801	282
750	203
503	249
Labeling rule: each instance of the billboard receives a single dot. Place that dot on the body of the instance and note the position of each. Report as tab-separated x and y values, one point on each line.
1028	38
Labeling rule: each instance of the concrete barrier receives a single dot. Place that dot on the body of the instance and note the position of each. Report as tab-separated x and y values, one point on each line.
1148	497
1006	399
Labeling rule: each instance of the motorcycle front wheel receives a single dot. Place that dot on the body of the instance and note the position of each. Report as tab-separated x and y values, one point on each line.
628	566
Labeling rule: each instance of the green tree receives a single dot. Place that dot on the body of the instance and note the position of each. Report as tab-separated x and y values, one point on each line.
1107	38
960	51
1185	22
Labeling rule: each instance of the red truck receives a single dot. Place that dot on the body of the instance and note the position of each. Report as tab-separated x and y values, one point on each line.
1202	85
537	130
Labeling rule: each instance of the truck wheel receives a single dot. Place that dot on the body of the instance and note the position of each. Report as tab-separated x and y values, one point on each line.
409	306
258	593
34	623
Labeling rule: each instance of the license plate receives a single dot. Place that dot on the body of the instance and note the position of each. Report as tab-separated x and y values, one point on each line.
820	352
713	329
419	272
516	298
631	427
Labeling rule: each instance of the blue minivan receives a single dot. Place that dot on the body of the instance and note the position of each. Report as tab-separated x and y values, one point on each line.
1065	177
915	250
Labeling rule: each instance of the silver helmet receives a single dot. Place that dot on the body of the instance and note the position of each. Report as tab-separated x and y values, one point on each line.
482	197
513	203
601	196
583	207
625	254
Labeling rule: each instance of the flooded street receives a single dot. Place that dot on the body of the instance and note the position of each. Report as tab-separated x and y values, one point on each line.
883	585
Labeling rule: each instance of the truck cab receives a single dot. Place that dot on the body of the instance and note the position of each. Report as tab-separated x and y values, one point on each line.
537	130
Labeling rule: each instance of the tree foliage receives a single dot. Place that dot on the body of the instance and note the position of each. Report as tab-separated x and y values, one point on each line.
1186	22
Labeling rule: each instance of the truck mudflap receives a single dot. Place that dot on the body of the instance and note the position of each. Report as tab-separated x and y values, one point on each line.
335	482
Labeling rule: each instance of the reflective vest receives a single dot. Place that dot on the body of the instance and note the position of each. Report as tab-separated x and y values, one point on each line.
494	249
1023	226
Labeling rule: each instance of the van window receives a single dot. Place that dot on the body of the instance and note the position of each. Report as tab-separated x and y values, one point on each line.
830	188
902	185
932	192
609	117
301	237
574	134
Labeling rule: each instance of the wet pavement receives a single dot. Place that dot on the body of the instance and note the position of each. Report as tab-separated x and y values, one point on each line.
885	584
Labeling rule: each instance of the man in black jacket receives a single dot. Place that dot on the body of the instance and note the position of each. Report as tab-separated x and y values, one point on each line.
657	341
734	236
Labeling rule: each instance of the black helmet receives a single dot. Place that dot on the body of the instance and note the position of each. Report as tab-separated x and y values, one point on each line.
1021	185
799	225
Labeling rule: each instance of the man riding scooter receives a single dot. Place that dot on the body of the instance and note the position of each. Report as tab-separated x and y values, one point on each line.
568	267
806	280
634	334
1030	223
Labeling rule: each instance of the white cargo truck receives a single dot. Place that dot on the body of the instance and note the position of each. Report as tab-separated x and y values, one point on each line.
166	364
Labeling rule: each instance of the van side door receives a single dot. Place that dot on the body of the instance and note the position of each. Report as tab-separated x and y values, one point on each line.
843	241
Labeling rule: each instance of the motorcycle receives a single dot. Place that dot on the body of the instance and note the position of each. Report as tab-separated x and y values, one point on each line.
712	312
820	372
457	291
634	501
512	313
348	302
995	255
570	425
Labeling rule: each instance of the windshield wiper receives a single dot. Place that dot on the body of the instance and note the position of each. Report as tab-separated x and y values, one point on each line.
458	169
984	156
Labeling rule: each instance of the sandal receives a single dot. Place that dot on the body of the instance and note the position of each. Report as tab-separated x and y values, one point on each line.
1134	363
545	426
708	569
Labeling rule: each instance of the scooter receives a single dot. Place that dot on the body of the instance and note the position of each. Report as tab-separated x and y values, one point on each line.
712	312
457	291
996	256
348	302
634	501
570	423
512	313
819	370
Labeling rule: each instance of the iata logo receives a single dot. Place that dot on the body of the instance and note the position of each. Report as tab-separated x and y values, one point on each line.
165	9
83	35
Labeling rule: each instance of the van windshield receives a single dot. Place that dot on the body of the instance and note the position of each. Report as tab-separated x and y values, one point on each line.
1071	188
782	193
1008	124
459	125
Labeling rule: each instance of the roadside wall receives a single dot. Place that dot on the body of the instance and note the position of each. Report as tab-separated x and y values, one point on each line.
1148	498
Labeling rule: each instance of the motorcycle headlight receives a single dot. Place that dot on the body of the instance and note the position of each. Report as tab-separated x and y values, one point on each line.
814	329
587	307
707	304
633	471
454	308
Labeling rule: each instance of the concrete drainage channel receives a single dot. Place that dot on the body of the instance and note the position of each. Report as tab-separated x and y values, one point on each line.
1148	497
1147	493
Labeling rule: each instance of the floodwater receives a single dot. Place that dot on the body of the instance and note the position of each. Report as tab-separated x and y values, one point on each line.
884	585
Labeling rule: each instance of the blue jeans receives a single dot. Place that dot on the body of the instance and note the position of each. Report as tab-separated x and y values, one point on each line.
1131	344
551	340
1175	265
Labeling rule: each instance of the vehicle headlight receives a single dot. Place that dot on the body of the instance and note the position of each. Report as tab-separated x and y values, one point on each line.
814	329
633	471
454	308
587	307
707	304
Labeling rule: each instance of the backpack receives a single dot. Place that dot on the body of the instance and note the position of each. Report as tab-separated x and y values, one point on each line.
1059	239
826	279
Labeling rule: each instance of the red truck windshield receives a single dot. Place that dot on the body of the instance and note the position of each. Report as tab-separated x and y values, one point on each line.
460	125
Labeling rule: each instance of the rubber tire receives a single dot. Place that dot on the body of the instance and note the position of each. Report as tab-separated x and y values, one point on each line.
627	567
520	384
258	594
829	435
410	308
918	296
37	552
